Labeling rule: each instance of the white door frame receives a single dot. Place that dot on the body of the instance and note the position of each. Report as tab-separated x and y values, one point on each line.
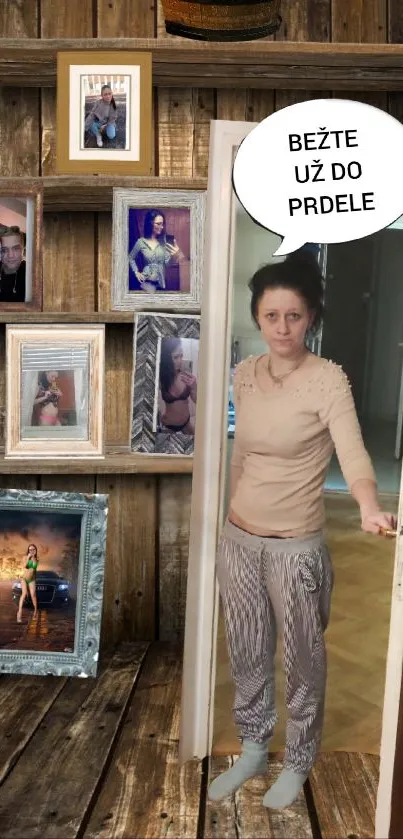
198	684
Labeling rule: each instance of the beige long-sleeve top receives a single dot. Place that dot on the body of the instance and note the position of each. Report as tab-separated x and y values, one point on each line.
284	440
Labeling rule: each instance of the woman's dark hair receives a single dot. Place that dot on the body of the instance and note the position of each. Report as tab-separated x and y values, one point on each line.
43	380
148	223
167	367
108	87
32	546
301	273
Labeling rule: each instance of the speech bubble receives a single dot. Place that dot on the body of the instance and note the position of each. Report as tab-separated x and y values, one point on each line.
327	170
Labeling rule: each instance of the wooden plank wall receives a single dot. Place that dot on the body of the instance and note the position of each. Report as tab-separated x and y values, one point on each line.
149	515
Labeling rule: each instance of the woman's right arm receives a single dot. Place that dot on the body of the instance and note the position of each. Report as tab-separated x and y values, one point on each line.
132	261
38	399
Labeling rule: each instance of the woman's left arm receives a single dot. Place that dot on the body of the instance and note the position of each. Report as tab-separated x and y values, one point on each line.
339	414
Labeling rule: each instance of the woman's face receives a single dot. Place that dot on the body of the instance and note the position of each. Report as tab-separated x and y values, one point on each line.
158	225
177	358
52	376
284	318
32	549
107	94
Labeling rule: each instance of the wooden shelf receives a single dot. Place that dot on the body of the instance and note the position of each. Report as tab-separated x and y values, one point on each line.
94	193
265	64
116	461
66	317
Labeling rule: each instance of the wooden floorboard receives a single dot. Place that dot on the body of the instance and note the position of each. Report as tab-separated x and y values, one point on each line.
243	816
98	759
145	795
48	793
24	702
344	788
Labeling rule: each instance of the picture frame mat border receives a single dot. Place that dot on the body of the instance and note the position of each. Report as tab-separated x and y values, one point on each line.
64	164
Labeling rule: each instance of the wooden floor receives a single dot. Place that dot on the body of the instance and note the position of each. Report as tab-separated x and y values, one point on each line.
97	758
356	640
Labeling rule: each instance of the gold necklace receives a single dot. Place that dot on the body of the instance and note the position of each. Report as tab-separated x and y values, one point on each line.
278	380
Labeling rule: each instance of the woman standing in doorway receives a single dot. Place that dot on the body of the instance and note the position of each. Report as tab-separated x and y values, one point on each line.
274	570
28	581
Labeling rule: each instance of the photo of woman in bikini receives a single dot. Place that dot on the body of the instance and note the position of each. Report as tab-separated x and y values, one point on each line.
178	385
54	402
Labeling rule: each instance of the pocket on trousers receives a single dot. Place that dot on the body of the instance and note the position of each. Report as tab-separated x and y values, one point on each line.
311	571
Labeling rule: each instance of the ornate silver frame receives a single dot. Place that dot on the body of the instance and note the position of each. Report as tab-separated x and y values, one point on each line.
83	661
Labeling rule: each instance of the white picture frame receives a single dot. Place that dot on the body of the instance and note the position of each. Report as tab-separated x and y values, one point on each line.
71	424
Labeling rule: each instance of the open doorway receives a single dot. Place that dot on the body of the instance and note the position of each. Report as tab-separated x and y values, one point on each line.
362	331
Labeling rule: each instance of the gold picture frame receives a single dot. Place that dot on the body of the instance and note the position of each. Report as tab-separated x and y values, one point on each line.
55	391
12	200
127	148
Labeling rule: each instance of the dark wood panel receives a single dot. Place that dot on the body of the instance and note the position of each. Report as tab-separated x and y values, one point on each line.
175	495
129	593
396	21
314	65
359	20
66	20
71	747
118	384
18	20
145	767
69	262
19	132
119	18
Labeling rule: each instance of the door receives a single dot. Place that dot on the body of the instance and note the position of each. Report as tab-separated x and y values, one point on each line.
389	810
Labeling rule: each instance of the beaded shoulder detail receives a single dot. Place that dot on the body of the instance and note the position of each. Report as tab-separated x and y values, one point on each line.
330	379
243	375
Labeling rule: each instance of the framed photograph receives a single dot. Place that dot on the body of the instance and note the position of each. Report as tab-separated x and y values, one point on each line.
54	384
157	249
165	376
21	212
104	112
52	558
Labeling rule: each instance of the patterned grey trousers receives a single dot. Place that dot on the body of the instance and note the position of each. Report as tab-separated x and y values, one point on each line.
274	586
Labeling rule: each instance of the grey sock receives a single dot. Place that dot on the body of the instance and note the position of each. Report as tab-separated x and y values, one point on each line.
253	761
285	790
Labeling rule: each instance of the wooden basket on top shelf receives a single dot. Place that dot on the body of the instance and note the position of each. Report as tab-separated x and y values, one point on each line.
222	20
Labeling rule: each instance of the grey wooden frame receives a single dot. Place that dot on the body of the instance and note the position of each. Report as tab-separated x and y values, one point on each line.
83	661
125	199
149	327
